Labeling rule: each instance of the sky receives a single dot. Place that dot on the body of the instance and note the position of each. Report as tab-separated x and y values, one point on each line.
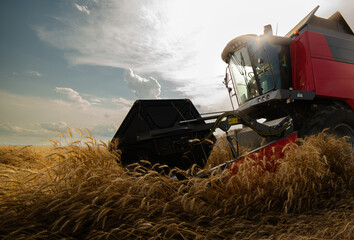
80	64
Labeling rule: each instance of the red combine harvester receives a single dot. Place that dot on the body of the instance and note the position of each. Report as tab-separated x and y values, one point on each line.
301	84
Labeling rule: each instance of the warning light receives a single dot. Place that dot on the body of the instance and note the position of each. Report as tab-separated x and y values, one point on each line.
296	32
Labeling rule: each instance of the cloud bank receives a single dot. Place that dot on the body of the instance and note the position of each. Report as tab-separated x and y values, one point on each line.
32	120
73	96
142	87
35	73
163	39
122	102
82	8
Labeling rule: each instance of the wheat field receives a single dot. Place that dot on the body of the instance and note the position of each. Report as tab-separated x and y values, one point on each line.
80	191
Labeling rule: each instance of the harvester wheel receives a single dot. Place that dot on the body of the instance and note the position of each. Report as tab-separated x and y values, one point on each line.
338	120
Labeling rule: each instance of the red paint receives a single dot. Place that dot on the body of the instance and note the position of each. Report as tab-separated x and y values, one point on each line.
266	157
318	46
350	103
314	69
333	79
301	64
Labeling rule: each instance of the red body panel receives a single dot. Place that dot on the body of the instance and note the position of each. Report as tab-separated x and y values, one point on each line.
266	157
301	64
318	46
351	103
314	69
333	79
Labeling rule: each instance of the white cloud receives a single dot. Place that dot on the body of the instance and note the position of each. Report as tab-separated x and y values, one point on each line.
159	38
35	73
122	102
38	133
52	126
82	8
32	120
6	128
142	87
30	133
97	100
103	130
73	95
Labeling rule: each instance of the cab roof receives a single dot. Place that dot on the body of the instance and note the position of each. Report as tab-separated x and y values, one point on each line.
335	24
240	41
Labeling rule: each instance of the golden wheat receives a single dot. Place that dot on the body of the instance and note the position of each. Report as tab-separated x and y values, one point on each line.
80	191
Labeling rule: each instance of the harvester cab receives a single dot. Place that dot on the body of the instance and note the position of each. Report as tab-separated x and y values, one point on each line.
257	66
308	75
300	84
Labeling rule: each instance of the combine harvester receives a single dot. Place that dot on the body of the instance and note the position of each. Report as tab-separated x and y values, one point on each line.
301	84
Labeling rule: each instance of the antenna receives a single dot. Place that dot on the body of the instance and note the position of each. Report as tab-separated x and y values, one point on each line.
276	30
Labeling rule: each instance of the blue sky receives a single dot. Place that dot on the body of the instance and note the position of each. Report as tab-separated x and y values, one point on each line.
82	63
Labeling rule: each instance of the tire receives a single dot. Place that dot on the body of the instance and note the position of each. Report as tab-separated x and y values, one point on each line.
338	120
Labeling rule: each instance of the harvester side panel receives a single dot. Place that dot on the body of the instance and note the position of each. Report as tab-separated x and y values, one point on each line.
334	79
324	64
319	47
301	64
